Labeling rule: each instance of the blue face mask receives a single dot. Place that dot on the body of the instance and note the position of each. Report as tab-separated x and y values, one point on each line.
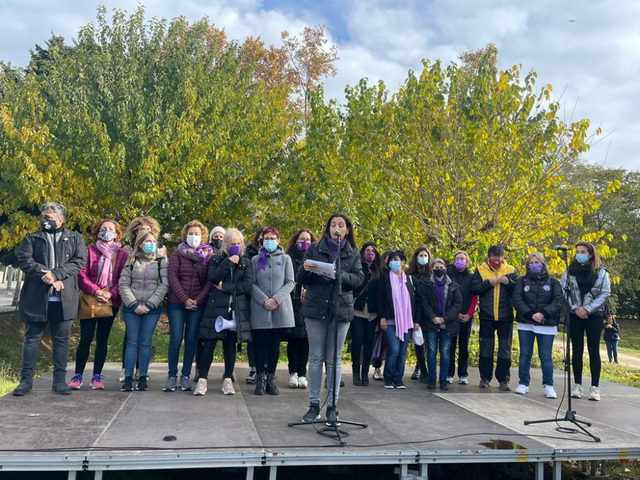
270	245
394	265
582	258
149	248
423	260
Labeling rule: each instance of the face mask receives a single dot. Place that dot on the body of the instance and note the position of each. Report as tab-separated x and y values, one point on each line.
423	260
535	267
106	235
495	265
234	250
394	265
270	245
304	246
48	225
149	248
216	243
194	240
369	256
439	272
460	264
582	258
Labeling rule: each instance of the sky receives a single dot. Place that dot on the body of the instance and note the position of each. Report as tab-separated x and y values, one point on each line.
588	51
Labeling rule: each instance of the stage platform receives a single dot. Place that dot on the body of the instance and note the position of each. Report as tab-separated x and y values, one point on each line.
111	430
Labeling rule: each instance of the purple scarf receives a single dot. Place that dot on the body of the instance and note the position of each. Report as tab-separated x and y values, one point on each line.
401	304
439	288
333	247
105	273
201	253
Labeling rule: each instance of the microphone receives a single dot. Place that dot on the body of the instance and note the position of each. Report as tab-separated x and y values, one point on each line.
562	248
336	233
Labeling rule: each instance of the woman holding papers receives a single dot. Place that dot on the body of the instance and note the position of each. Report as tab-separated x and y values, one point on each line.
320	303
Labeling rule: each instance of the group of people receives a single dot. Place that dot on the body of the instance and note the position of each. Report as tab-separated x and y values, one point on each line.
219	289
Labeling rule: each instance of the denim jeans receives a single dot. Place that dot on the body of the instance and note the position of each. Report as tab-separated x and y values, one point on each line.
438	341
321	345
139	335
612	350
183	323
396	354
545	345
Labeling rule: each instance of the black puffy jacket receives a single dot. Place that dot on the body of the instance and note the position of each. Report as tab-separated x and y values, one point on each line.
537	294
300	330
319	293
426	292
221	269
367	293
495	301
462	278
386	308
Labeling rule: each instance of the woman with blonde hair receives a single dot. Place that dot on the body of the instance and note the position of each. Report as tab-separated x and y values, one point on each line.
231	274
537	299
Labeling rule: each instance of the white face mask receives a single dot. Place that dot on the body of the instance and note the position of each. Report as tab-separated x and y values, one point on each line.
193	240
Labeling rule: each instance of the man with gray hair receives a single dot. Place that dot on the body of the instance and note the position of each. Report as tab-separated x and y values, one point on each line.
51	259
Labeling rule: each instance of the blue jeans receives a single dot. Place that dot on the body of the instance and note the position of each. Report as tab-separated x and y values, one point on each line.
438	341
139	330
612	350
396	354
182	323
545	344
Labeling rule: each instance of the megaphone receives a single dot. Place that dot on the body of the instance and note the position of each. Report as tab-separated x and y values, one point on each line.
224	324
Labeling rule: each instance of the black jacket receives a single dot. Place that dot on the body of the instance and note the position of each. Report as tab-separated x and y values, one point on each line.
221	269
319	294
367	293
71	254
537	294
487	293
300	330
385	297
610	332
462	278
429	303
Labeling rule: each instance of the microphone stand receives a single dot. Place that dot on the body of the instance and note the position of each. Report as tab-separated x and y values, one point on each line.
570	415
331	430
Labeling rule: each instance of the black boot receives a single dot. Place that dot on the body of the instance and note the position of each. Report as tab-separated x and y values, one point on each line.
22	389
357	381
259	379
271	388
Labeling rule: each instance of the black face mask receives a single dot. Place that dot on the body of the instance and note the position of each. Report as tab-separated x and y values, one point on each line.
439	272
216	243
47	225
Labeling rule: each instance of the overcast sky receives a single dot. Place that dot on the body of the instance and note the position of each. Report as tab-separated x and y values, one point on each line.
588	50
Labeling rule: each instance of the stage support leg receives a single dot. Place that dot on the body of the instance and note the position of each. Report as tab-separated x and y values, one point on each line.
540	471
273	472
603	468
594	468
72	475
98	475
557	470
249	473
406	474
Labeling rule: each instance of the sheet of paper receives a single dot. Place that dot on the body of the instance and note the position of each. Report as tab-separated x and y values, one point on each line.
323	268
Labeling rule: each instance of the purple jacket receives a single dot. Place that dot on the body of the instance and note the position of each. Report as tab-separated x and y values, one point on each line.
187	279
88	276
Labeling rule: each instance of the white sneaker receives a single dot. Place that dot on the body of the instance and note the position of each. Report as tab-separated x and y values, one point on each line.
302	382
201	387
594	393
293	380
463	381
522	389
449	379
576	391
549	392
227	387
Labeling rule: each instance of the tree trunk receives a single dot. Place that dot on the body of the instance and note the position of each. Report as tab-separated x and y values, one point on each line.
16	292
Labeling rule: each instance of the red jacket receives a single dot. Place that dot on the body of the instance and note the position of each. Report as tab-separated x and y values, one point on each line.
88	276
187	279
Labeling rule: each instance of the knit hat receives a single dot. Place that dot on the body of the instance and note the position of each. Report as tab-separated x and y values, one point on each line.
217	229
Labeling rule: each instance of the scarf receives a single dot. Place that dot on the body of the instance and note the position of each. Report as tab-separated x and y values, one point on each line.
200	254
333	246
401	304
105	263
439	288
494	265
584	275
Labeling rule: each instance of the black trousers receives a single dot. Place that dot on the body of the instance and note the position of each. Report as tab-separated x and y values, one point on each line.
266	348
488	330
228	352
362	335
593	327
298	356
100	328
463	354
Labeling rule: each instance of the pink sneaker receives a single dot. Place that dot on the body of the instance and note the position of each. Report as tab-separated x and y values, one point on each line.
96	382
76	382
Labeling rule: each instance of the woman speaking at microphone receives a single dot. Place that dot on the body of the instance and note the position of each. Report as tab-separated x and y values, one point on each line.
318	308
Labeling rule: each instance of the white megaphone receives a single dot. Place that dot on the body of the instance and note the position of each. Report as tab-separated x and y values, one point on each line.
224	324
